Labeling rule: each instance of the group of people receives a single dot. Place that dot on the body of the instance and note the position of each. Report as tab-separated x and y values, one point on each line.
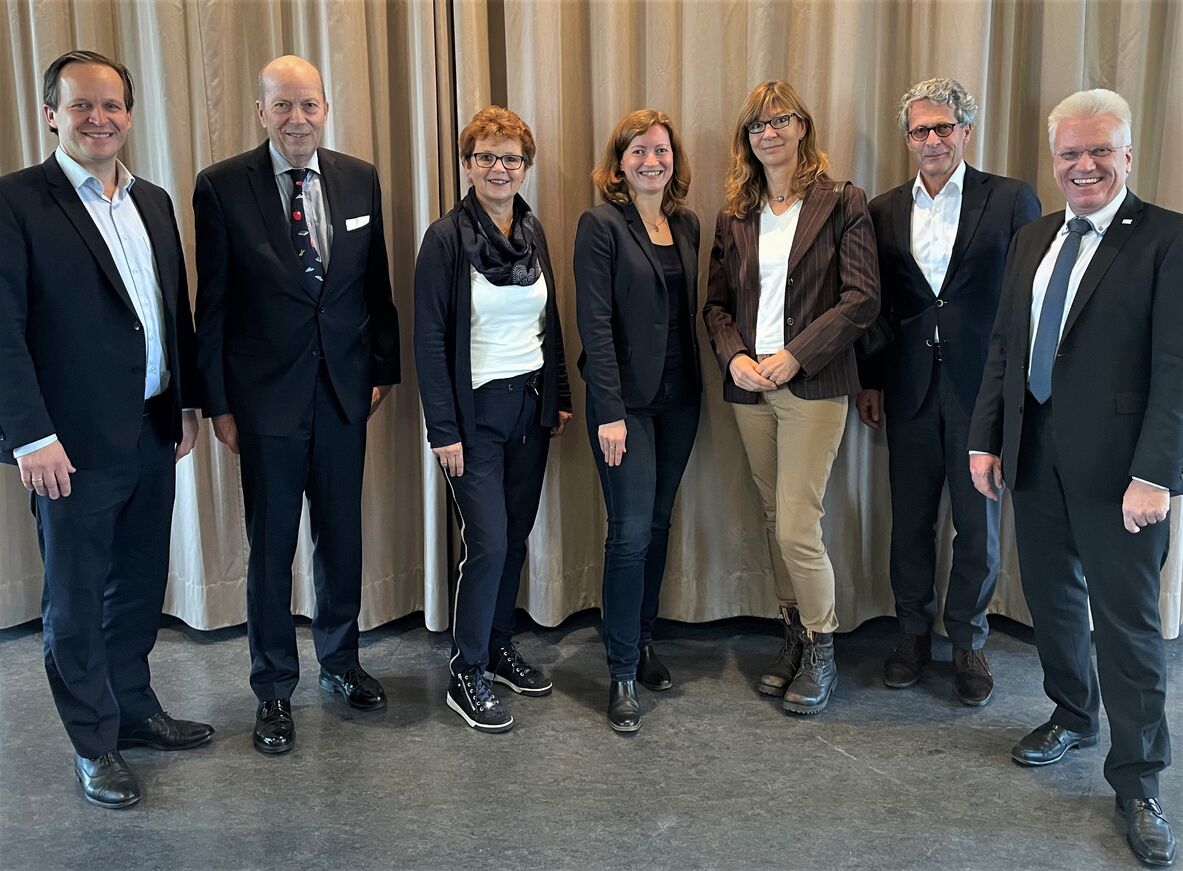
947	308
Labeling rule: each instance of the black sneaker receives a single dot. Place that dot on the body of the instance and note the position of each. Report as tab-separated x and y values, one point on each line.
507	666
470	696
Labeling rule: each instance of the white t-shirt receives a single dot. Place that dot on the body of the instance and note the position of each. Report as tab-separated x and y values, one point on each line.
507	325
776	241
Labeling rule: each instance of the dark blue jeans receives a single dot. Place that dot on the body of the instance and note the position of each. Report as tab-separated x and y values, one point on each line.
639	495
497	500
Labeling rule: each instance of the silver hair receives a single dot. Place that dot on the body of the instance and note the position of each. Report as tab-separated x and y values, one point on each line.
949	92
1088	104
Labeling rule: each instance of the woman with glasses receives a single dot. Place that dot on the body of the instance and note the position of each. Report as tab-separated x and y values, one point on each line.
493	383
793	283
636	271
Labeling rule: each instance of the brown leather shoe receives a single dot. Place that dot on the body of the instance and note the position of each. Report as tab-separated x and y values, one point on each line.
973	681
779	673
903	666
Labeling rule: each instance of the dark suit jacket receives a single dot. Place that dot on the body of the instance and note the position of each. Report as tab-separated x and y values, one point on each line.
443	337
72	358
993	208
261	335
831	298
622	305
1117	385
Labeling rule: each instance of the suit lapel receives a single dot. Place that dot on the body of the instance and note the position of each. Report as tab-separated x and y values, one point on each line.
688	259
65	195
815	212
331	183
271	210
1115	237
747	243
973	205
158	225
901	220
1031	256
636	226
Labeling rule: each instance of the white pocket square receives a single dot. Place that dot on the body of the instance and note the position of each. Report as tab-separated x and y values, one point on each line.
354	223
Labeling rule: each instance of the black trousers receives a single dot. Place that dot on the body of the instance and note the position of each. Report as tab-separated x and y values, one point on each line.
496	500
925	452
325	459
1075	554
106	549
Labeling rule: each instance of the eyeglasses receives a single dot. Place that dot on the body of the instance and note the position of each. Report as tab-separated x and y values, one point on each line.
943	130
777	123
1099	153
488	160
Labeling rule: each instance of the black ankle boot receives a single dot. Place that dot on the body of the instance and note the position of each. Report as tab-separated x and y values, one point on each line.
781	671
810	690
624	710
651	674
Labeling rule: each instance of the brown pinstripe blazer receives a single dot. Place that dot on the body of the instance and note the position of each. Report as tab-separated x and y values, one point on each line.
831	298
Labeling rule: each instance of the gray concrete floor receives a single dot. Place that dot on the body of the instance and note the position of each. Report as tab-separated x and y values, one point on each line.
717	777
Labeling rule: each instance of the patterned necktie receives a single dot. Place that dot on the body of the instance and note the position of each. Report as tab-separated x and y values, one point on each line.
302	239
1047	335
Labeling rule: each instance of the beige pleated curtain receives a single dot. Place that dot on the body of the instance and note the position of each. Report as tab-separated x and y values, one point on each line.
404	76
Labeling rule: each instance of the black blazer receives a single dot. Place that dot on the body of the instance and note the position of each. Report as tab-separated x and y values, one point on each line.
443	337
261	335
1117	385
72	358
993	208
622	305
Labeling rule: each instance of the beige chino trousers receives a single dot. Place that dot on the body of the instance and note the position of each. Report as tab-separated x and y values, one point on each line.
791	444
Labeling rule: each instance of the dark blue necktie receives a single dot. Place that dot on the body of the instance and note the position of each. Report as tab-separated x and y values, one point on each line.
301	238
1047	336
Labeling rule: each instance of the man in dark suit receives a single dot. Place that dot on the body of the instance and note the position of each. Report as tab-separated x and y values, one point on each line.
1080	414
297	345
96	347
942	240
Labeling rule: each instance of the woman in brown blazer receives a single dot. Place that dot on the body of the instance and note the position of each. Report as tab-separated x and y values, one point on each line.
793	283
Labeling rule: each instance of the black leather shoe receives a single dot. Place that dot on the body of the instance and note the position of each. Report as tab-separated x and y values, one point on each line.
651	674
1048	743
359	689
162	732
624	709
275	731
779	673
107	781
903	665
1147	830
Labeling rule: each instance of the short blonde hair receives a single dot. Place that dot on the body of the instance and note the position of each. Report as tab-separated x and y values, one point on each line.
610	180
1087	104
497	122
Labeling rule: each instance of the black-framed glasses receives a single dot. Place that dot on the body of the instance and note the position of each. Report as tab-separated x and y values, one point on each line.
487	160
777	123
943	130
1101	152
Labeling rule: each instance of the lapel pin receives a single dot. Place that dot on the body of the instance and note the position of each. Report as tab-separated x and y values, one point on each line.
1127	220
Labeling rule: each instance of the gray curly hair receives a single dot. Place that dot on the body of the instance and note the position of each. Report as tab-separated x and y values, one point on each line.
949	92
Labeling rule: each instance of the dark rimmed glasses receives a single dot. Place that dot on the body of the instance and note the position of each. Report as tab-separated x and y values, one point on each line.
943	130
778	123
487	160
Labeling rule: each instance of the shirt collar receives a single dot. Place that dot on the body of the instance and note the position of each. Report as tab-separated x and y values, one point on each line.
956	182
79	176
1100	219
280	165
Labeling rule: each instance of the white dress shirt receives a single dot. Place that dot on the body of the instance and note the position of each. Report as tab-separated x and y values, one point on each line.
316	206
776	243
934	226
119	223
507	324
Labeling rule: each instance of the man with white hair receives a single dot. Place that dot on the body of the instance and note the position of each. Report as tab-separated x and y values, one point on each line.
942	238
1080	414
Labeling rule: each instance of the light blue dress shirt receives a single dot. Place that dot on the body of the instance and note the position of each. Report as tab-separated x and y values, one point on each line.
119	223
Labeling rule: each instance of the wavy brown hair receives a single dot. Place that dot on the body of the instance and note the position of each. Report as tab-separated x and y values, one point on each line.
610	180
495	122
744	186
